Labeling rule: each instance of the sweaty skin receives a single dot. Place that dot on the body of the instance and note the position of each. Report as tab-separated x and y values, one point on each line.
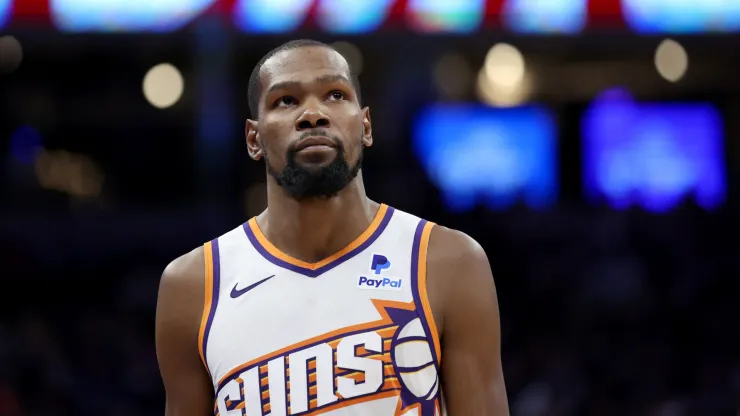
460	285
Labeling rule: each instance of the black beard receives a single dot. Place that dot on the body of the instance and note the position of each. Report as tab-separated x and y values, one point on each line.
323	182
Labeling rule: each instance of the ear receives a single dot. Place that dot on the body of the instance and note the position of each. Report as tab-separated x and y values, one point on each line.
367	139
253	143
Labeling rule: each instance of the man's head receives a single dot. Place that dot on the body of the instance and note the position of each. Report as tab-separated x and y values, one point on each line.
307	122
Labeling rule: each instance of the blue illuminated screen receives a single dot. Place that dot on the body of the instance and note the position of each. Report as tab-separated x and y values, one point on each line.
5	11
271	16
654	155
483	155
352	16
671	16
461	16
125	15
553	16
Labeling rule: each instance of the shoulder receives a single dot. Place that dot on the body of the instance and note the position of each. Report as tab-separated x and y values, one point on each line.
185	271
182	288
454	250
180	306
459	277
465	302
186	264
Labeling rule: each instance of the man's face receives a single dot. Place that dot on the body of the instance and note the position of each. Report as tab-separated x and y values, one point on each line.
311	129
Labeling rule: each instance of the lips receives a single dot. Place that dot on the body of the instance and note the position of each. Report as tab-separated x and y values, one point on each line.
314	141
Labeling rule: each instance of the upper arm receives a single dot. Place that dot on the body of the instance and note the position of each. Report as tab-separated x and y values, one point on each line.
459	273
179	310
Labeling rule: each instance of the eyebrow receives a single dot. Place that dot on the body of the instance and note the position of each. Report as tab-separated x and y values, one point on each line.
326	79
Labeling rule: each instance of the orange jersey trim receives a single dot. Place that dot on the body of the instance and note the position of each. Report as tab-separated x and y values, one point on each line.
208	300
422	282
270	248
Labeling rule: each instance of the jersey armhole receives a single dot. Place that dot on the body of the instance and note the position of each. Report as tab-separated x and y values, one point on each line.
210	301
421	246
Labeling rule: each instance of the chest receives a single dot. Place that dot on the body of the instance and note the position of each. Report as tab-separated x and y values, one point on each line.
307	337
263	309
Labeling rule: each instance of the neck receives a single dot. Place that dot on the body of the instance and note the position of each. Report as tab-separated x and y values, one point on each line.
314	229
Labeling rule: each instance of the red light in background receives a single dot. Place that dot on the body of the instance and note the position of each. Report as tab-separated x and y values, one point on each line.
605	14
33	11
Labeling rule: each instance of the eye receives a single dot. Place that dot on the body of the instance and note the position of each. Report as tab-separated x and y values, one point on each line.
337	96
286	101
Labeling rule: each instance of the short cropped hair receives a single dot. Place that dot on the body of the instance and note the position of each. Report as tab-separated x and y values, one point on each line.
255	87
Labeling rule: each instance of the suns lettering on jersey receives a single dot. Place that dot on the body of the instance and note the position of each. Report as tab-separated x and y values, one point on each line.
338	370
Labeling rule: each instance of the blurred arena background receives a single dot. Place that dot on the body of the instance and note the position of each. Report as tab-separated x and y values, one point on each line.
592	147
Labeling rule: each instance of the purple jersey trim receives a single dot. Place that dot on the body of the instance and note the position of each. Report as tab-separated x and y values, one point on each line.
415	289
216	286
323	269
427	406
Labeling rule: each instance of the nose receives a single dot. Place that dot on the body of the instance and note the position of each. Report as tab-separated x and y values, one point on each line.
312	118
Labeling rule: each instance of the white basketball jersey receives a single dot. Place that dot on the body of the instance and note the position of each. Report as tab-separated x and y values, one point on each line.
350	335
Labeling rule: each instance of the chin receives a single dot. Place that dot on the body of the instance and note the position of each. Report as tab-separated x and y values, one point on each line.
315	166
317	159
317	163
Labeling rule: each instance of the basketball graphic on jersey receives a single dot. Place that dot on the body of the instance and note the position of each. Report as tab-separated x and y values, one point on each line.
414	362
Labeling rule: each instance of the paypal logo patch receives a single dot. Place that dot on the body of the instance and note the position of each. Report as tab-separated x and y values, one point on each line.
386	283
379	263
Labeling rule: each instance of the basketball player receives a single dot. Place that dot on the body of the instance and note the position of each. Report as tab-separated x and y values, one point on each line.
327	302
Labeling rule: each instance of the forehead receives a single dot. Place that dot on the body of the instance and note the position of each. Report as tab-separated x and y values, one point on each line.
302	64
